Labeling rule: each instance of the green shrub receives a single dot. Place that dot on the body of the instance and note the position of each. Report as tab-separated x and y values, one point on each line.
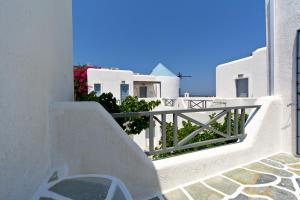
109	102
135	125
131	125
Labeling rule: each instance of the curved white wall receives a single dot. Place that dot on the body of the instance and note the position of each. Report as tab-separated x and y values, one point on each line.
254	68
169	86
89	141
35	70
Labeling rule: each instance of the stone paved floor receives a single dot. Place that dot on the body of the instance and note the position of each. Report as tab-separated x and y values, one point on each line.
276	177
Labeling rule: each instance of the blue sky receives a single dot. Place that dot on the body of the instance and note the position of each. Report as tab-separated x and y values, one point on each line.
191	37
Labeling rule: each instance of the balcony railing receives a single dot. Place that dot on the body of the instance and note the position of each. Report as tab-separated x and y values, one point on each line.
169	102
235	133
193	103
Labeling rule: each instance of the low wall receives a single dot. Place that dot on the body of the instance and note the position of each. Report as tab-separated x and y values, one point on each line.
263	139
89	141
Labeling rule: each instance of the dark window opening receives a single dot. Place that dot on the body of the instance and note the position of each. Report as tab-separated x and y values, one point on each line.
242	87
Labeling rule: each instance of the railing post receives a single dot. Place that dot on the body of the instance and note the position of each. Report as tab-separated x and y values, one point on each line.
236	123
242	120
228	123
151	134
175	130
164	131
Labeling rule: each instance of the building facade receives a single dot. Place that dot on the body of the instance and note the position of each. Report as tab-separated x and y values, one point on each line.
161	83
246	77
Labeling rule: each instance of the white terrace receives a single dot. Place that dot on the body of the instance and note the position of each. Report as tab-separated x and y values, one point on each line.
54	148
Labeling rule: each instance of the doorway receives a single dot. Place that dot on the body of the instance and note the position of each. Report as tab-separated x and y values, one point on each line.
241	87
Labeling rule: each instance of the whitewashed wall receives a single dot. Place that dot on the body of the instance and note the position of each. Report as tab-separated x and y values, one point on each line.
89	141
110	80
35	70
169	86
262	131
254	68
286	22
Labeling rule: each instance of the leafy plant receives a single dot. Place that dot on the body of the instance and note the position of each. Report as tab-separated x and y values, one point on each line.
131	125
88	97
135	125
109	102
133	104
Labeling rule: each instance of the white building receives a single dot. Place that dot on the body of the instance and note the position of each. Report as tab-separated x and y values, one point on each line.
161	83
247	77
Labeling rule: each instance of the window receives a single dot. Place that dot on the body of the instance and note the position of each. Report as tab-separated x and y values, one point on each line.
124	91
241	87
97	89
143	92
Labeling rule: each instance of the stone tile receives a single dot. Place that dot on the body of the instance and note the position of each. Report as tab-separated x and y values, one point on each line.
83	188
200	192
284	158
295	172
265	168
272	192
272	163
247	177
222	184
286	183
175	195
295	166
244	197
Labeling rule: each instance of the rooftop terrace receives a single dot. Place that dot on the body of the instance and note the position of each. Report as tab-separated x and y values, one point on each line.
276	177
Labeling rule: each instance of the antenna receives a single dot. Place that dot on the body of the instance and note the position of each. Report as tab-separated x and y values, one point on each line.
183	76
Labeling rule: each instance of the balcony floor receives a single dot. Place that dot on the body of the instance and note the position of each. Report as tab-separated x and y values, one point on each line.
276	177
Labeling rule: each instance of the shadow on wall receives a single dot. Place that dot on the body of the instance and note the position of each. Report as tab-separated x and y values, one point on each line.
88	140
293	104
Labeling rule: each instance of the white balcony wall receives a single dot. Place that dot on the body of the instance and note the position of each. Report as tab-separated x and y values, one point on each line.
35	70
254	68
263	139
89	141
